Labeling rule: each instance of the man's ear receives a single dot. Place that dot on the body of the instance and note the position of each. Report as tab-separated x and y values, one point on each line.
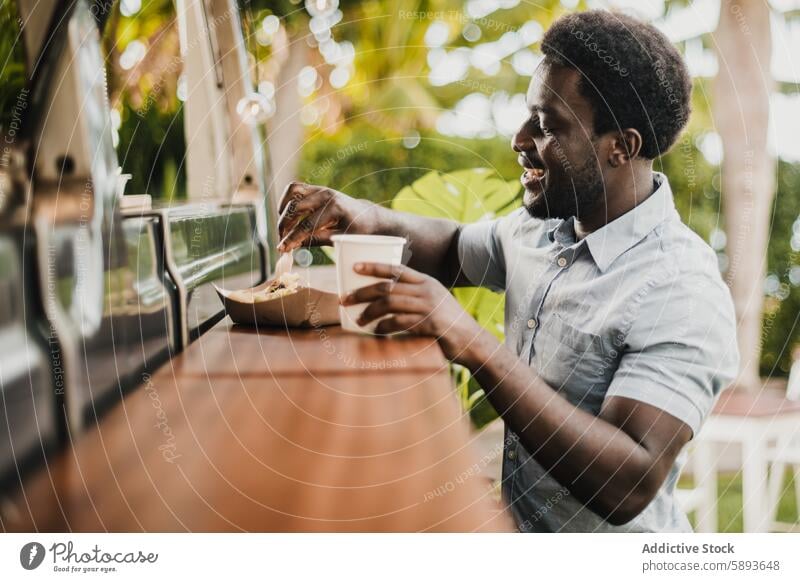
626	146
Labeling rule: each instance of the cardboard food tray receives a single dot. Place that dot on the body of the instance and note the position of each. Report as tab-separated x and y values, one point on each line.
305	307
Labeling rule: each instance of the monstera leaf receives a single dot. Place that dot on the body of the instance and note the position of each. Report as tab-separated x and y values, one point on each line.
467	196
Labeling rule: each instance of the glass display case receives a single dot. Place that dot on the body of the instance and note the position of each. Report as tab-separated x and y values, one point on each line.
102	296
30	383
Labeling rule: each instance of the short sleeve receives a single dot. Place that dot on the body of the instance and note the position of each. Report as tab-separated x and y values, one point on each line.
680	351
481	254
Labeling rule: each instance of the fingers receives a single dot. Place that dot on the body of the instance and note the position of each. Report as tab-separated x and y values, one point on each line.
294	191
299	203
295	209
378	290
397	304
399	273
311	228
399	324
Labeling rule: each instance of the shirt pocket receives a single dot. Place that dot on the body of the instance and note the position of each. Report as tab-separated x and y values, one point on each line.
576	363
578	340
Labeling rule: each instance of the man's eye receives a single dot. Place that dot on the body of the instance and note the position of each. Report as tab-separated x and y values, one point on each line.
536	123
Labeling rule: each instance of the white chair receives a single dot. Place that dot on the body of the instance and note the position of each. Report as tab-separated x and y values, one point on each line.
785	454
701	498
750	423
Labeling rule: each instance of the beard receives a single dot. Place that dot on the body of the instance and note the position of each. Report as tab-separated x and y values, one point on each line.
578	193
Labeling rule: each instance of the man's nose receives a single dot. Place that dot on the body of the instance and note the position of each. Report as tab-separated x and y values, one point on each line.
522	141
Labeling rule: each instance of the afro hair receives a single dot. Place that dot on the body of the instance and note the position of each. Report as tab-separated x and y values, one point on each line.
631	74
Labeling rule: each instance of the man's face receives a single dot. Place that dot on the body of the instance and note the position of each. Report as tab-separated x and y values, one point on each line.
558	148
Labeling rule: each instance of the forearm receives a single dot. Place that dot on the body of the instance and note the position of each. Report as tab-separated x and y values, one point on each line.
600	464
432	242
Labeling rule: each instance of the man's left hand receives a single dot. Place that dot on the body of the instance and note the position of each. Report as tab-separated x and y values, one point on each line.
414	303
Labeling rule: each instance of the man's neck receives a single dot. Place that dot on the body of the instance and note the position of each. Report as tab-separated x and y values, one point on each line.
638	186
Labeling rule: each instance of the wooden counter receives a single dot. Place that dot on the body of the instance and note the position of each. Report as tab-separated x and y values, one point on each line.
312	430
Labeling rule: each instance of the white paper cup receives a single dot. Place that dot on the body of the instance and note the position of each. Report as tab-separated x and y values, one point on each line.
350	249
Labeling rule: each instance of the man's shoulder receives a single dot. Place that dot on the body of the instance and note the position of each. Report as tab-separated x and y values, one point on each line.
520	225
676	263
685	273
686	253
520	216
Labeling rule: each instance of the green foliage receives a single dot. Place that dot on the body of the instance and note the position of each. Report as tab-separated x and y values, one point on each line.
363	162
464	196
12	63
729	500
152	143
467	196
781	332
695	186
152	149
390	83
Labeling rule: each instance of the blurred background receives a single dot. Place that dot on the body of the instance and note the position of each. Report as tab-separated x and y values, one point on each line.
377	98
368	97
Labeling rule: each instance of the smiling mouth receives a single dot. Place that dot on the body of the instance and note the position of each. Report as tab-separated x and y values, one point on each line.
533	177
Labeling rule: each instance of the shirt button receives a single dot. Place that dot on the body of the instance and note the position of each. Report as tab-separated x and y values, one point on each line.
512	454
531	323
562	262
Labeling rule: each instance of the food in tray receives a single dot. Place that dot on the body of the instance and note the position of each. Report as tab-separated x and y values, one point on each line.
281	286
286	300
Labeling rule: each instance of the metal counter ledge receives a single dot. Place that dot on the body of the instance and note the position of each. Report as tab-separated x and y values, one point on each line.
273	431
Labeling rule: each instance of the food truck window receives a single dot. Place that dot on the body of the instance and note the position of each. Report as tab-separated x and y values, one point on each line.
146	93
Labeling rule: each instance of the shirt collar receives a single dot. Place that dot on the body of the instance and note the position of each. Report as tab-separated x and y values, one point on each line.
616	237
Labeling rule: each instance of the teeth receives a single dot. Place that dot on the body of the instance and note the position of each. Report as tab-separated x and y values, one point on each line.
536	172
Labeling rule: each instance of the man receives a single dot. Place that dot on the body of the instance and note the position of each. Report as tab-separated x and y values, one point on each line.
620	333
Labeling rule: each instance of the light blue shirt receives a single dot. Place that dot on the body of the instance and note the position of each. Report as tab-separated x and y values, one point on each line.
636	309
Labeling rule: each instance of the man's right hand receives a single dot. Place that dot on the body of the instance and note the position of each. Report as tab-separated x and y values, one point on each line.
310	215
